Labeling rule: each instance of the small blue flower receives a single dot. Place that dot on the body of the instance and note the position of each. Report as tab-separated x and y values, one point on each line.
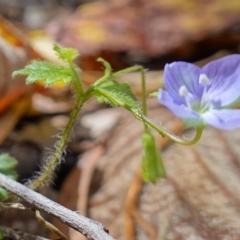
201	96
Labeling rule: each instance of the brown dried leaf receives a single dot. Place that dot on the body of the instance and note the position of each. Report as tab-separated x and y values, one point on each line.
15	95
199	199
150	27
11	117
15	52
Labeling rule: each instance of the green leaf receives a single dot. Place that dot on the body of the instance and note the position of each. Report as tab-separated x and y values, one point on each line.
10	174
65	54
7	162
1	234
116	94
3	194
49	72
152	165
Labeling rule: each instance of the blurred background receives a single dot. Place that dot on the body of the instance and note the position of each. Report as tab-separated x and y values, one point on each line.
100	163
141	31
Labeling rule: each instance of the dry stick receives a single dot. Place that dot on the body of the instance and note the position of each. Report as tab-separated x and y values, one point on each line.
89	228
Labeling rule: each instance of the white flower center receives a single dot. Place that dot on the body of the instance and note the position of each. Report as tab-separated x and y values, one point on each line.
203	79
183	91
197	101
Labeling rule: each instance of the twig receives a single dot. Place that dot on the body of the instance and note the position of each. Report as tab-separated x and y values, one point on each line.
49	226
89	228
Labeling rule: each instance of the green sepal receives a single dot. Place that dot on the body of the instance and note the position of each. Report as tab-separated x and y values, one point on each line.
116	94
154	94
152	165
49	72
65	54
7	162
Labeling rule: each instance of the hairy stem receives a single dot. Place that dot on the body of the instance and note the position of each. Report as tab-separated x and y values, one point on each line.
61	145
56	157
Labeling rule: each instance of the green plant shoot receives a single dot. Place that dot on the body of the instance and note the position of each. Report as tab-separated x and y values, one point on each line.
106	89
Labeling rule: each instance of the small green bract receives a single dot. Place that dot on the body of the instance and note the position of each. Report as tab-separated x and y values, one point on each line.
152	165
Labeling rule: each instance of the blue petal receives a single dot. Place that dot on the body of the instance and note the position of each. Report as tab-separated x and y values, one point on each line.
227	119
179	74
224	75
189	117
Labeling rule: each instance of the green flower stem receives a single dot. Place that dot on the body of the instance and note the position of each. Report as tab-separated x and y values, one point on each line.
164	133
142	115
126	70
57	156
143	83
108	75
144	94
144	97
143	86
